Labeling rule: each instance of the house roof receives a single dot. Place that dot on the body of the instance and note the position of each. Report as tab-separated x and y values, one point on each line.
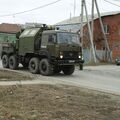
77	19
9	28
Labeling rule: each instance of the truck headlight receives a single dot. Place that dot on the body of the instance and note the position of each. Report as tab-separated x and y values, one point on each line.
61	56
79	57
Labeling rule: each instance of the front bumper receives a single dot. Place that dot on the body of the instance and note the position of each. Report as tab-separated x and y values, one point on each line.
68	62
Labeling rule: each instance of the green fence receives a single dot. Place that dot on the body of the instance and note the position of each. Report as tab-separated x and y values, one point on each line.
5	37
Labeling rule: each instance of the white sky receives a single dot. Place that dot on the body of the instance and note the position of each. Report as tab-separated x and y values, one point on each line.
50	14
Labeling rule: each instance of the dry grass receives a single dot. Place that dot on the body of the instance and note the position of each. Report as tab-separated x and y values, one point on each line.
49	102
6	75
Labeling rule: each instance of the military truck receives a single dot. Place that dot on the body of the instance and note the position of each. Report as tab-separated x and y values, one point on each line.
44	50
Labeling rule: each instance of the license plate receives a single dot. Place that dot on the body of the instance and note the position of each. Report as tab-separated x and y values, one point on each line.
71	61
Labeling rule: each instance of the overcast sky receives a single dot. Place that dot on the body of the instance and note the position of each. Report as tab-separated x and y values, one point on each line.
50	14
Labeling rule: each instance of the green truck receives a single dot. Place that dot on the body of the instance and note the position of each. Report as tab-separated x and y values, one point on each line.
44	50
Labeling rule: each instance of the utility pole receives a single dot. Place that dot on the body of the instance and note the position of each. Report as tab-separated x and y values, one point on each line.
83	5
90	33
70	16
81	17
103	31
92	24
91	27
92	20
74	7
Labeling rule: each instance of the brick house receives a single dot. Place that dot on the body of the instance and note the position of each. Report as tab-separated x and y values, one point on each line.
111	24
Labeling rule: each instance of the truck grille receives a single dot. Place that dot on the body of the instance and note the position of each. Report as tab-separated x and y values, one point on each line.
70	55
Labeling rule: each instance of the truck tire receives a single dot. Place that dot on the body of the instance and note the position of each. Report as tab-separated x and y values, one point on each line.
13	62
45	67
68	70
34	65
5	61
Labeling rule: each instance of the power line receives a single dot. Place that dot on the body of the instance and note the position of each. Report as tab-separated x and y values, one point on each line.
112	3
43	6
117	0
91	5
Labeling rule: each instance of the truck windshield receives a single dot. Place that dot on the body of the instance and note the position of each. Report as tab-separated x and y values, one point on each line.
68	38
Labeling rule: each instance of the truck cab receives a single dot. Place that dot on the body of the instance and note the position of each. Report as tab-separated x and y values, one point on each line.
64	47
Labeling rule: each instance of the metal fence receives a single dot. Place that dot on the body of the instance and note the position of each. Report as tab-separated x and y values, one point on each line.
88	57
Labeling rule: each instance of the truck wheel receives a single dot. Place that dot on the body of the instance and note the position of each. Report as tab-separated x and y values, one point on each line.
34	65
13	62
45	67
5	61
68	70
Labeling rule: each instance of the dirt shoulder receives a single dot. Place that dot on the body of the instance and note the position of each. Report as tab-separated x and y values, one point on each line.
56	102
7	75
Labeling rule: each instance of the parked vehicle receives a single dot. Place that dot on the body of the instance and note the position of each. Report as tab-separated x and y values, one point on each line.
44	50
117	61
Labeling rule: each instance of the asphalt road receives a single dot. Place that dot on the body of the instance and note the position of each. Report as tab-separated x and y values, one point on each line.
104	78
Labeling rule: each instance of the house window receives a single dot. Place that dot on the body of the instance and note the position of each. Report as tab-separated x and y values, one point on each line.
106	29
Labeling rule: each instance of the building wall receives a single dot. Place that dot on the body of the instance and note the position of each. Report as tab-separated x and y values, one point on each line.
113	35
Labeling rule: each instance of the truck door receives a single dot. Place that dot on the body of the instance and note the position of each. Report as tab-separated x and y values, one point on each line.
48	43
